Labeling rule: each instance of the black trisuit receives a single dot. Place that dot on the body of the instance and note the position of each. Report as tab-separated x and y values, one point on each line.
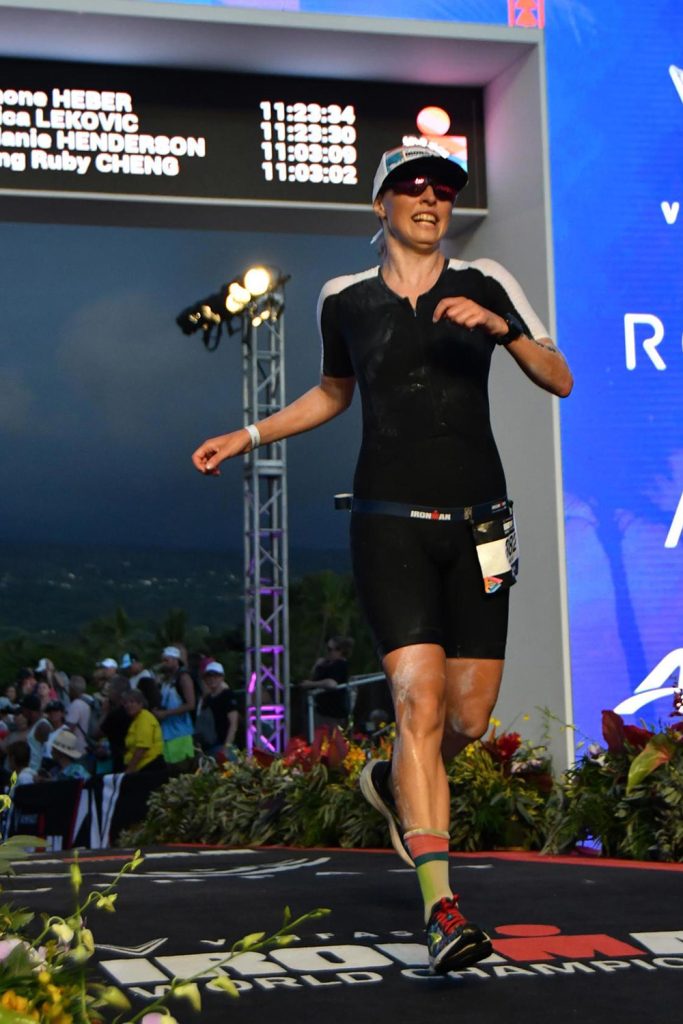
427	441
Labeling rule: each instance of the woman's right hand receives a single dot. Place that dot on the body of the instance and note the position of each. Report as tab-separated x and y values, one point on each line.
209	455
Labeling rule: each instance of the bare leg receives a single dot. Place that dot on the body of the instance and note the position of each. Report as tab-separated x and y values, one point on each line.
472	686
418	679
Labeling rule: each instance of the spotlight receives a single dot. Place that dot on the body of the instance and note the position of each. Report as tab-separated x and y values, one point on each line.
202	315
258	296
239	293
233	305
258	280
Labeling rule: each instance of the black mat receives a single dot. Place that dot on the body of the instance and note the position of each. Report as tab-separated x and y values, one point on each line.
575	941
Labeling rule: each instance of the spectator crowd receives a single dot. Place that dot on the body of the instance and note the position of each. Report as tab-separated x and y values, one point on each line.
127	718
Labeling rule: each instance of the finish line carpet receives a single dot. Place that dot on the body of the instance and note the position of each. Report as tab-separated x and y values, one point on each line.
575	940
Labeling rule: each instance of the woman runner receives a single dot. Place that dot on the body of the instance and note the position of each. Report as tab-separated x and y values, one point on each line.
432	534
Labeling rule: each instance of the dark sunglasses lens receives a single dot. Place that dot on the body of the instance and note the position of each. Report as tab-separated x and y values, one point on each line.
416	186
445	193
410	187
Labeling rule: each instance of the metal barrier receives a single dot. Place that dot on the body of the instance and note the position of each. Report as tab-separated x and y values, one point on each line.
353	684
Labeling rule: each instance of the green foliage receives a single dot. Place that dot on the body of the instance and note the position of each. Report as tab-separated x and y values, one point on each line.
634	814
253	804
502	796
249	803
493	808
15	848
658	751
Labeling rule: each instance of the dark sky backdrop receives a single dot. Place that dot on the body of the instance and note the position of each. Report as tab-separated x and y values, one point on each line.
103	399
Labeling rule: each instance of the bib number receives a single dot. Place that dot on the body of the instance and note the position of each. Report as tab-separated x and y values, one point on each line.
497	551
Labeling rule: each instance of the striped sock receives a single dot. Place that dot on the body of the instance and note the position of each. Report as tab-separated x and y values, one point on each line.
429	850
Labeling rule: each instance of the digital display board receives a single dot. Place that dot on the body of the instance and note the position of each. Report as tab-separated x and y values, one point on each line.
118	132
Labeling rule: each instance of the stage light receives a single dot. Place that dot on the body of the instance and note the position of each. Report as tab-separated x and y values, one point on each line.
239	293
233	305
255	298
258	280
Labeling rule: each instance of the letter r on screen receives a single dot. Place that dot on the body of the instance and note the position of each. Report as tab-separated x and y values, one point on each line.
650	344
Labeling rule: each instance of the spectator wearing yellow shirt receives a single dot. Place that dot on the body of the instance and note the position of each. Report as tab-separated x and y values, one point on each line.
144	744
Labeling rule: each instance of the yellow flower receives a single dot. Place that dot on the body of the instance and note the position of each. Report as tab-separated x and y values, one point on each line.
63	932
88	940
188	990
12	1001
115	997
106	902
76	876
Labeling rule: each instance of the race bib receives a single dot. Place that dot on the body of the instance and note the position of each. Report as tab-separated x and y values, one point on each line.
497	551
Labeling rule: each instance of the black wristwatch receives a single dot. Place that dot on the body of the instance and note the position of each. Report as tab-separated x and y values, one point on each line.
515	329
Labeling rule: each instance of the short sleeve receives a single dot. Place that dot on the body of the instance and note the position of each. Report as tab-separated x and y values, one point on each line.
505	295
335	359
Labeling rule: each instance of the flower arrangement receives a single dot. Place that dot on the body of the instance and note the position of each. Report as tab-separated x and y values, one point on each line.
310	796
500	788
628	795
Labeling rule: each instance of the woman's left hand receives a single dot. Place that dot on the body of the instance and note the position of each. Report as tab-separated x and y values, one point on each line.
467	313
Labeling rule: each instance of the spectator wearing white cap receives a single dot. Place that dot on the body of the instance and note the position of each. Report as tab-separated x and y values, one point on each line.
109	667
133	669
217	717
178	703
57	681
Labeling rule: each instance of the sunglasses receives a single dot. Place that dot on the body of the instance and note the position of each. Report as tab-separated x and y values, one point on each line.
416	186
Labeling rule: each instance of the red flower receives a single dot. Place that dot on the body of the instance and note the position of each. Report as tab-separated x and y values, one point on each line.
298	753
637	737
508	744
613	731
263	757
329	747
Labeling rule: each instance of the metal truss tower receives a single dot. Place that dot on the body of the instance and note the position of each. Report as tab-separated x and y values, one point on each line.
266	568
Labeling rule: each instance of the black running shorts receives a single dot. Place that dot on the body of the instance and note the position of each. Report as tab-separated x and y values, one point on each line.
419	582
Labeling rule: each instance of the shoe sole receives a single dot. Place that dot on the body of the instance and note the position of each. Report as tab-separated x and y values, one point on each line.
477	948
375	800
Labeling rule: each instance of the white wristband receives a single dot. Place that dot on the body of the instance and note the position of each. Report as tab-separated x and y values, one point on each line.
253	432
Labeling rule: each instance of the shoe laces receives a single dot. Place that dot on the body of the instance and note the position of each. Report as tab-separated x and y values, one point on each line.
447	914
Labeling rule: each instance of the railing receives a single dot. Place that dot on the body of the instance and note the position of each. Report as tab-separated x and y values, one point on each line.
353	685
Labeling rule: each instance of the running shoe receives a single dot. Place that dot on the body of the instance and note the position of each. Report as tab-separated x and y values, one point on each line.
374	785
453	942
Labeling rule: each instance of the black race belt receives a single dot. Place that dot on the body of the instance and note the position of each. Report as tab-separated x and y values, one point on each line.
480	513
